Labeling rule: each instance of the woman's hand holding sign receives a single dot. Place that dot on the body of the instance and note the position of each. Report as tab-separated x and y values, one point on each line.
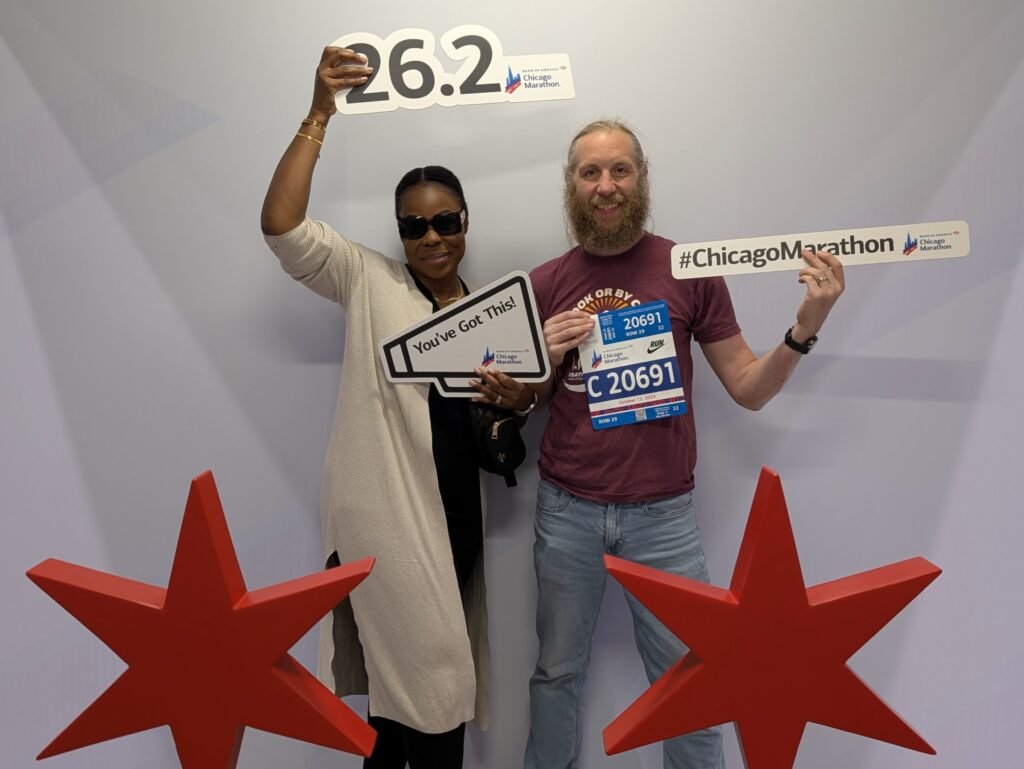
501	390
339	68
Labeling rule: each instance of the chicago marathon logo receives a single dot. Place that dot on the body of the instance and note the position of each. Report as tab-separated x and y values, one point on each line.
488	358
513	81
596	360
910	246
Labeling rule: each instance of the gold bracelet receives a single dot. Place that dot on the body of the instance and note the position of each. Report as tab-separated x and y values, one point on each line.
315	123
311	138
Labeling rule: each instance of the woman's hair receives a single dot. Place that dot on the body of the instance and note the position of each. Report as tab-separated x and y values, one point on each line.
437	175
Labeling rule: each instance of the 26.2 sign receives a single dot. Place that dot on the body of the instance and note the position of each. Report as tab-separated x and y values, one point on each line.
408	74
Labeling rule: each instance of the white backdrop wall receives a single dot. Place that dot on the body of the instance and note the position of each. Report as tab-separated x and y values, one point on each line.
147	334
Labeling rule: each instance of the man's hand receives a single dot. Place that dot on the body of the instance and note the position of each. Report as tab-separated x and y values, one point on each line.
825	281
564	331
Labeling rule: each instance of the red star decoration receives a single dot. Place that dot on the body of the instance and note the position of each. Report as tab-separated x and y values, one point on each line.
205	656
768	653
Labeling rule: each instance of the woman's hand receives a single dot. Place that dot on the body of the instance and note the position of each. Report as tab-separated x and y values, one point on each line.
501	390
339	68
284	206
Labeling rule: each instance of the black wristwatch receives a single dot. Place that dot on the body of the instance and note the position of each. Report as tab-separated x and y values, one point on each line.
792	344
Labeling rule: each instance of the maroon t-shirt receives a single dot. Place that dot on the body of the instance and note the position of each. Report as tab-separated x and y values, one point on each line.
647	460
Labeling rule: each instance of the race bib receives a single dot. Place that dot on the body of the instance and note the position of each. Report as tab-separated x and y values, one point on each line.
630	369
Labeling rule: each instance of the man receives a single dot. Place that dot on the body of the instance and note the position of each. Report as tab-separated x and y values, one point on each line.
628	490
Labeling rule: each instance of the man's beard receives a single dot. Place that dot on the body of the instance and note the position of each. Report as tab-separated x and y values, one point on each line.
588	230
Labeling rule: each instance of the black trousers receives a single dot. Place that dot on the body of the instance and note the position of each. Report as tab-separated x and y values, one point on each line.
398	744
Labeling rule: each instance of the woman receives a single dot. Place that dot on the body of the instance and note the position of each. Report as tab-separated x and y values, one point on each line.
400	480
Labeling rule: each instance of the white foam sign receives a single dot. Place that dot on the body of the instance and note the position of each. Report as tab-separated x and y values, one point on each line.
496	326
871	245
410	73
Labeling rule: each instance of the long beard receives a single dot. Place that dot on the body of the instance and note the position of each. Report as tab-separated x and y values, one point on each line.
598	237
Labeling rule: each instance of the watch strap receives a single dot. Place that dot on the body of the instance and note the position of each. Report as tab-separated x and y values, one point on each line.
803	348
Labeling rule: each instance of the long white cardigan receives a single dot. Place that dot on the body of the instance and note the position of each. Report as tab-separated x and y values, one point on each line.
379	497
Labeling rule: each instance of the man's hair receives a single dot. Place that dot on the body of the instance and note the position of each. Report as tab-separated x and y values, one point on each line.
607	125
437	175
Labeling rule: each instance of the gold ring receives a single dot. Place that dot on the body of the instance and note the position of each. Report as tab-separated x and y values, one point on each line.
821	279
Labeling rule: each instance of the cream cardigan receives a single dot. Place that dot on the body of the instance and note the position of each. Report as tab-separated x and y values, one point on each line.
379	497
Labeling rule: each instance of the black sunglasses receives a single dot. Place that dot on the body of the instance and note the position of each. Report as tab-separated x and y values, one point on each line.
415	227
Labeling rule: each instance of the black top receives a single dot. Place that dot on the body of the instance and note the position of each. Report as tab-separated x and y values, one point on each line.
458	469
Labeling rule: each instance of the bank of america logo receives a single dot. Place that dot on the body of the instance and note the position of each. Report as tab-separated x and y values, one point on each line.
512	82
910	246
595	361
488	357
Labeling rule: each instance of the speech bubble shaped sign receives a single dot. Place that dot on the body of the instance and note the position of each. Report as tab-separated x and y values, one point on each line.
495	326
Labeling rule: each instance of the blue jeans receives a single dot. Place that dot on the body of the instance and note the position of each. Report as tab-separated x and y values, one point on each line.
572	536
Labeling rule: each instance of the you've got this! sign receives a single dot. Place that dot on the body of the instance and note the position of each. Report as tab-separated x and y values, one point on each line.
495	326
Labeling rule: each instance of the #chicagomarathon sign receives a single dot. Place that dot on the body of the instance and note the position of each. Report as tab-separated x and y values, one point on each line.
775	253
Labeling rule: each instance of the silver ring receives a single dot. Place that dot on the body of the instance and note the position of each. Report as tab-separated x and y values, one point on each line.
497	401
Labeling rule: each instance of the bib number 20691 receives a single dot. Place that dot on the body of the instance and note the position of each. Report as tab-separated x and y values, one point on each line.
633	380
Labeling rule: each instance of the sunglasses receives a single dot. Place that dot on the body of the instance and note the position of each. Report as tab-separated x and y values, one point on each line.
415	227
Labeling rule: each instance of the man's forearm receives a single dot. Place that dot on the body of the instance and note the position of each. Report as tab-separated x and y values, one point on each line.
762	378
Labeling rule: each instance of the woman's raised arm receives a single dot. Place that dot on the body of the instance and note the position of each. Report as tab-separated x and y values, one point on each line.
284	207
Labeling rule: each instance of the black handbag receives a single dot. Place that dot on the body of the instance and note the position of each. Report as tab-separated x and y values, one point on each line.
500	447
